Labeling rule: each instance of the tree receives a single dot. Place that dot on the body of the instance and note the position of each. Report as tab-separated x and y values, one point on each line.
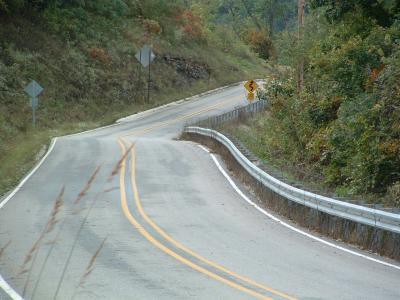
384	12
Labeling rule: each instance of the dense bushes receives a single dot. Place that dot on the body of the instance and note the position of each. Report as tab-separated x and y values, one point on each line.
345	123
261	43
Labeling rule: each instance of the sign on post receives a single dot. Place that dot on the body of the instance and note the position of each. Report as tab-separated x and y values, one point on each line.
250	86
145	56
33	89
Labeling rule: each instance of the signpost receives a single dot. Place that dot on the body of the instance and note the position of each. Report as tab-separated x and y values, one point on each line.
33	89
145	56
250	97
250	86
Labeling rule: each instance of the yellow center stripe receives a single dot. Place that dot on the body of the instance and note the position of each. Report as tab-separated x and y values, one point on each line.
157	243
163	248
176	120
184	248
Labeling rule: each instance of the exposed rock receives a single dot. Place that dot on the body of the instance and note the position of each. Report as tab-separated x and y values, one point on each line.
188	68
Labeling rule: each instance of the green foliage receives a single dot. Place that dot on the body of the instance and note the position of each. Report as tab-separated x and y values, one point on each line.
253	22
109	8
345	122
384	12
279	87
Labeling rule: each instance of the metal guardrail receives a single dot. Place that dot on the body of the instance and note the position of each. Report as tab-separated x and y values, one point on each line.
236	114
356	213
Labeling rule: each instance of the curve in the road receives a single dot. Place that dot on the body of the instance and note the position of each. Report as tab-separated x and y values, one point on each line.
3	283
142	265
264	212
184	248
162	247
176	120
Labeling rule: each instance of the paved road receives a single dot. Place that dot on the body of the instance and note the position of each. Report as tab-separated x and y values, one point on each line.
141	215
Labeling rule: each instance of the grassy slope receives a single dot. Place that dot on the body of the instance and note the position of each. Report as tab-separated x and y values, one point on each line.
92	83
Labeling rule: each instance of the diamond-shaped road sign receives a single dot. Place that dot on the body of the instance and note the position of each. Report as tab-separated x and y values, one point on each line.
33	89
145	56
251	86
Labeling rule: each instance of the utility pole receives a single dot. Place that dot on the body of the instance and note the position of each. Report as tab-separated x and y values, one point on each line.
139	75
149	80
300	36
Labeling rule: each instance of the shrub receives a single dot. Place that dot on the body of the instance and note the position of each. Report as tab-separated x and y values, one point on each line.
261	43
151	27
393	197
100	55
191	25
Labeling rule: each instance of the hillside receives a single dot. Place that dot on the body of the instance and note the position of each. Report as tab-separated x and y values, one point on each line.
82	53
340	128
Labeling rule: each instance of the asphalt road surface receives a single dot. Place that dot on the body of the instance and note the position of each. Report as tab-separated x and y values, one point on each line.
129	212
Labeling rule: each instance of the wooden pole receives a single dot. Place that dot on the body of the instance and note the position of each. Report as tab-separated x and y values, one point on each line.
300	36
139	87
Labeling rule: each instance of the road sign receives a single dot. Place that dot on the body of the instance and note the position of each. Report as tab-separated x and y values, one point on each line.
145	56
33	89
250	97
251	86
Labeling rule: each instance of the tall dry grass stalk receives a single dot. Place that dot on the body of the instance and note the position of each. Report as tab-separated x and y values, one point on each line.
114	172
3	249
89	268
80	196
117	167
87	186
33	252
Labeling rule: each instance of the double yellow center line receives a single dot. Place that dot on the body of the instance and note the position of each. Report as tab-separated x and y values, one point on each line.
178	119
124	203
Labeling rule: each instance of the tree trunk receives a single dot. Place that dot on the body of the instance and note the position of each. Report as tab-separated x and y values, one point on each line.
300	71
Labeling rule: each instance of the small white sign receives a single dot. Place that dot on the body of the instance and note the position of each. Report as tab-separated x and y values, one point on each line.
145	56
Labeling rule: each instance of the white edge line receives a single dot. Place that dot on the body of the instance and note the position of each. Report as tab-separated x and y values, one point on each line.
9	290
90	130
263	211
3	284
184	100
204	148
133	117
22	182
